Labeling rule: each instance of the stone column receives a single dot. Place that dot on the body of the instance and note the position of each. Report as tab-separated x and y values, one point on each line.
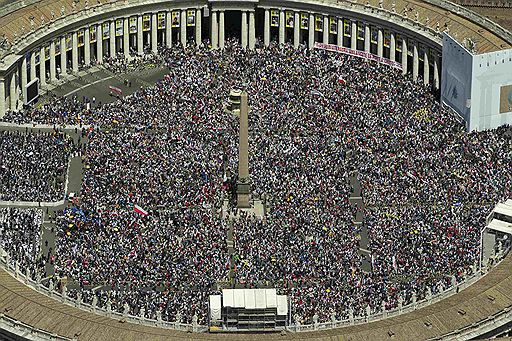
325	32
221	29
183	27
214	31
126	37
24	77
99	43
436	73
415	62
353	36
168	29
339	33
2	97
244	29
252	30
42	67
63	56
380	44
140	39
243	190
311	31
198	26
33	65
14	92
112	39
392	47
154	34
426	68
296	29
404	56
87	47
53	71
266	28
281	27
366	38
74	52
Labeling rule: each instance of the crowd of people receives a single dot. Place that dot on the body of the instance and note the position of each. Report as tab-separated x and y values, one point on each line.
158	165
33	166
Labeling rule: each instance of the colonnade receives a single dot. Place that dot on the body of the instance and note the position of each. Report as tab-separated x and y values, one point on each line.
143	33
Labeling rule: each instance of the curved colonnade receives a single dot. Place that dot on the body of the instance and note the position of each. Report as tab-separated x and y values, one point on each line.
69	35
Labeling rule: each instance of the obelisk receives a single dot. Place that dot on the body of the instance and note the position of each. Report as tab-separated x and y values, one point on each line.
244	182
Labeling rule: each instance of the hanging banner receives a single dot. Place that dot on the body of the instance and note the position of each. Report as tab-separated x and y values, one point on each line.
360	31
80	36
57	47
133	24
319	23
398	42
161	20
333	25
290	19
356	53
347	28
46	52
69	42
175	19
410	44
274	18
421	52
38	58
387	38
191	17
374	34
106	30
92	34
146	22
304	21
119	28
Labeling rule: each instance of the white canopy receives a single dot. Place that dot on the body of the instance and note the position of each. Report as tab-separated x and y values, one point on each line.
255	299
215	307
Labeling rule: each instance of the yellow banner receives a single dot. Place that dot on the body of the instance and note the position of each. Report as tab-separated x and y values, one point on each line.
347	28
191	17
175	17
146	22
161	20
92	34
304	21
133	25
290	19
106	30
319	23
80	36
119	27
333	25
387	38
274	18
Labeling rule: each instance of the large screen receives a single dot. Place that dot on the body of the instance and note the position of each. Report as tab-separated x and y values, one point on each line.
32	91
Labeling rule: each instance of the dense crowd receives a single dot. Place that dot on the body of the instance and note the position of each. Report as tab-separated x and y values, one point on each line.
316	119
20	236
33	166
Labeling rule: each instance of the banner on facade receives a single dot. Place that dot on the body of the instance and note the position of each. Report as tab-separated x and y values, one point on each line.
319	23
357	53
274	18
290	19
92	34
80	38
333	25
161	20
387	38
146	22
410	44
38	58
133	24
46	52
57	47
374	34
191	17
175	17
347	28
360	31
119	28
421	52
69	42
398	42
106	30
304	21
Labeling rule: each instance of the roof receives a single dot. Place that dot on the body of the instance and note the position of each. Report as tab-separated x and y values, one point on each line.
488	296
